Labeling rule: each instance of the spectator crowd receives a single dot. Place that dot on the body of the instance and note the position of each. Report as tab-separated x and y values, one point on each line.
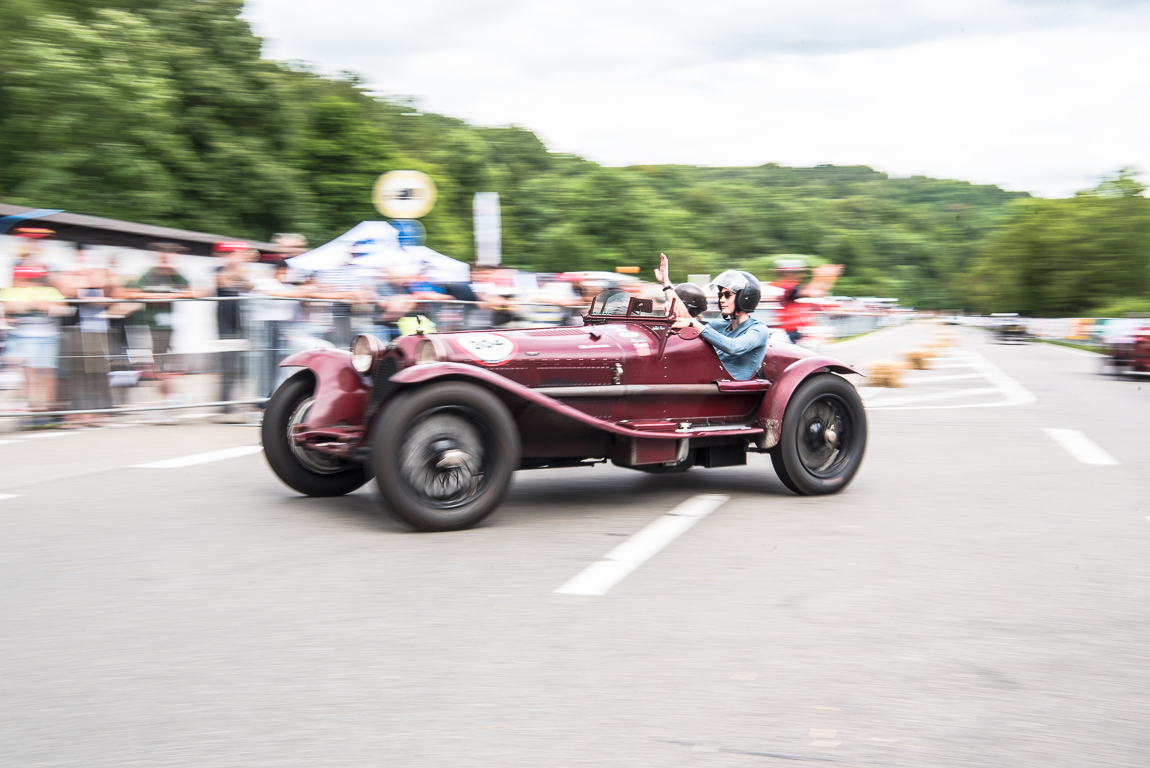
86	335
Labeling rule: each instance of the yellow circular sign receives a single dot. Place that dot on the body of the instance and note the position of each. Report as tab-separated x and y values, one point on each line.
404	194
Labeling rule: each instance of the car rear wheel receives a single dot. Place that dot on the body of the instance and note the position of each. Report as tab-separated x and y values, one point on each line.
444	455
823	437
310	472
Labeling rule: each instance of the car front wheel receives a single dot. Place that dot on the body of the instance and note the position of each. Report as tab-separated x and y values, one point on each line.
823	437
310	472
444	455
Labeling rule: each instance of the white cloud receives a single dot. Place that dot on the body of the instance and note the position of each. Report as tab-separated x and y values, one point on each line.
1030	95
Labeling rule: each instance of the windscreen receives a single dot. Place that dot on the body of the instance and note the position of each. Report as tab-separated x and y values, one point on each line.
611	302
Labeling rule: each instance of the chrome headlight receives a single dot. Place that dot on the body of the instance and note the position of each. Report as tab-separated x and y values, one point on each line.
365	350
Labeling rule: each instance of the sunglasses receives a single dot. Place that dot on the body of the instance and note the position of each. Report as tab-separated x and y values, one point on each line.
726	295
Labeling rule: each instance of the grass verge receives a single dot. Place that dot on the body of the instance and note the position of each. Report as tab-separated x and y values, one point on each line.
1075	345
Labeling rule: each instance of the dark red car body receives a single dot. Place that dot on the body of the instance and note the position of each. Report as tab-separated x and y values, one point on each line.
623	387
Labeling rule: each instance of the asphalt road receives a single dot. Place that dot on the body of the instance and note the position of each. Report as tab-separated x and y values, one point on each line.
980	596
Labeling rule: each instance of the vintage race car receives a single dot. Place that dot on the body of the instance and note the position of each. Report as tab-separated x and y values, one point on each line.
442	420
1009	328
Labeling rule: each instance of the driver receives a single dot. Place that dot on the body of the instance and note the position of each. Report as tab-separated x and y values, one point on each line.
739	340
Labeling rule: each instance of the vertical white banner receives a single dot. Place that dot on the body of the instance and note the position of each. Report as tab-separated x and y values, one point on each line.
485	208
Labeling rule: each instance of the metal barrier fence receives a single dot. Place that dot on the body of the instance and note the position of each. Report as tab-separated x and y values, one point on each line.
109	356
1092	331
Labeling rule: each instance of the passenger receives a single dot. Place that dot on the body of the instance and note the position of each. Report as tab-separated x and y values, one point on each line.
739	340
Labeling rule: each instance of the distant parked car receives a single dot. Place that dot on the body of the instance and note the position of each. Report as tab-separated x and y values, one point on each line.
1009	328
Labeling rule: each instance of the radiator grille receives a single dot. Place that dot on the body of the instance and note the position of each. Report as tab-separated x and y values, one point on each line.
381	385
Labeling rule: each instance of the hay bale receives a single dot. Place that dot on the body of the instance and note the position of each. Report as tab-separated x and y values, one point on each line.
885	374
918	359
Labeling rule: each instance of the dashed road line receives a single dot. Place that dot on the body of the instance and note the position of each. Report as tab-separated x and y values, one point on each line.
4	496
954	377
599	577
202	458
6	442
888	402
1080	446
1012	392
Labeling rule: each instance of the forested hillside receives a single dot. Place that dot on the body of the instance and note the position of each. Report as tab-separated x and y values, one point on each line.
164	111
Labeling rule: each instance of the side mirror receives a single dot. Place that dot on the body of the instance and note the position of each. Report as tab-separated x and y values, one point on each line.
642	306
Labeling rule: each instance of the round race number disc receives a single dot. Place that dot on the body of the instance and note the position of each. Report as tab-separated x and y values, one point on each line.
404	194
487	348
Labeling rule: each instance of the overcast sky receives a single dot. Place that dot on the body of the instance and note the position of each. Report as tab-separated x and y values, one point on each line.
1039	96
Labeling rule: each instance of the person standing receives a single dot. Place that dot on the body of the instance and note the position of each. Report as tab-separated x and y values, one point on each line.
158	287
231	283
346	285
84	349
278	309
34	307
794	315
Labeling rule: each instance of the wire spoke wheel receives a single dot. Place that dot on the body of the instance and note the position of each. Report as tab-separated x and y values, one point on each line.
824	436
443	457
315	461
311	472
444	454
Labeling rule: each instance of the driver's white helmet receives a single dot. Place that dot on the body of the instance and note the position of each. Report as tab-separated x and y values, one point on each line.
744	285
732	280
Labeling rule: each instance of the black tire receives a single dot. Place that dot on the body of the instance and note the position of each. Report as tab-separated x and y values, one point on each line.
809	459
781	470
444	455
309	472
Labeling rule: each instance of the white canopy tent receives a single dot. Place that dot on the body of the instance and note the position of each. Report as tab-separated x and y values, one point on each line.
376	244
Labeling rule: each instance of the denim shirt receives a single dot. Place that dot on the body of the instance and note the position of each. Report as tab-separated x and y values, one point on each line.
741	351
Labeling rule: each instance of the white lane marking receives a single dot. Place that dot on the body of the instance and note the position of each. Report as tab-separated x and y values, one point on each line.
6	442
888	402
870	336
202	458
1016	394
1013	392
1080	446
599	577
936	366
936	379
8	496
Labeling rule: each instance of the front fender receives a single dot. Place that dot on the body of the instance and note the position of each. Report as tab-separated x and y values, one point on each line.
774	405
340	392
